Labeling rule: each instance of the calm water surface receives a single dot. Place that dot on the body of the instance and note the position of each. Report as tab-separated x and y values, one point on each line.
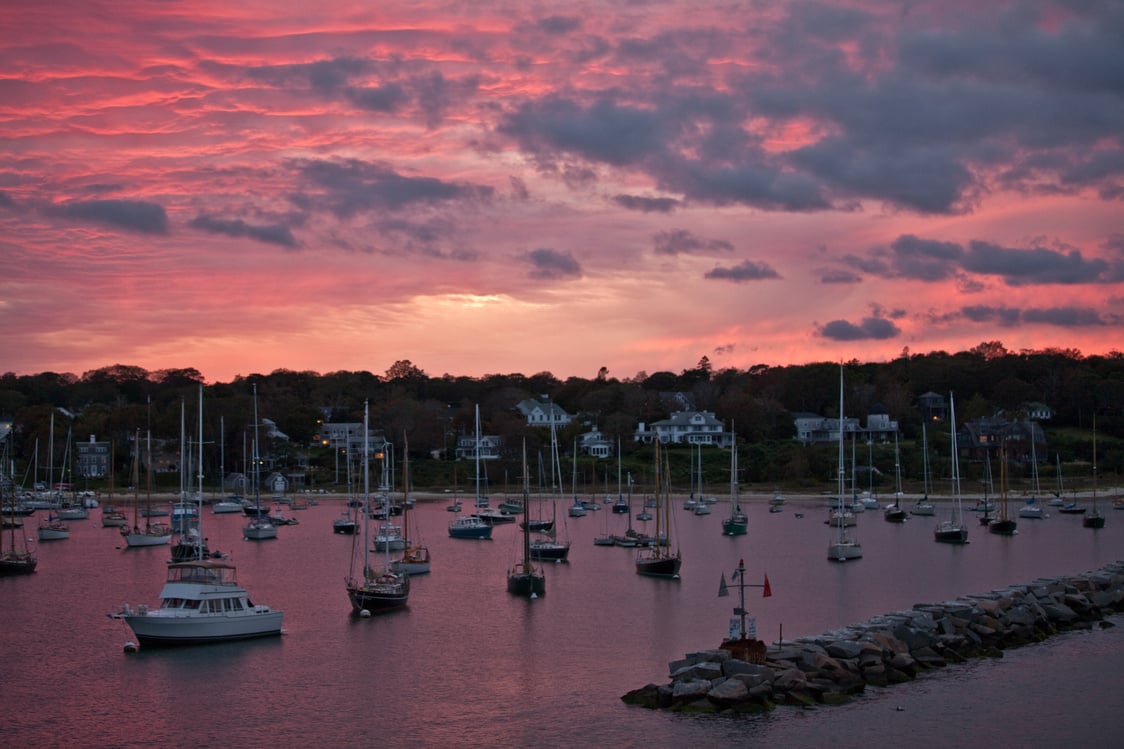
469	665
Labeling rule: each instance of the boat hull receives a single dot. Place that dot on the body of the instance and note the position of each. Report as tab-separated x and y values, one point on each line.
153	630
470	528
526	584
17	564
894	515
259	533
736	526
1093	521
923	510
53	534
844	552
951	534
1002	527
658	566
377	597
550	552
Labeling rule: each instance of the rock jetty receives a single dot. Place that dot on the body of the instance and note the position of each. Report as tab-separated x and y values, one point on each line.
889	649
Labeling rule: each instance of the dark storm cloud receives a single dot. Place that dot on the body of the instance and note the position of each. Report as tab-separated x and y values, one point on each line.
276	234
681	241
646	205
548	264
918	111
1065	317
838	275
602	132
932	261
348	187
871	328
1036	265
136	215
747	270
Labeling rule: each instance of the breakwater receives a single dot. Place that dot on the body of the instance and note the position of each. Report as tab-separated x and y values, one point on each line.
892	648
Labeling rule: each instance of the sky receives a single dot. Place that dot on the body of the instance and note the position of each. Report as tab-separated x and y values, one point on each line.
527	187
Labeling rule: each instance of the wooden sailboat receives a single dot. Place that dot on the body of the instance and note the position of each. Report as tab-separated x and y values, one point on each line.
153	534
372	591
1003	525
657	560
111	517
1094	519
415	555
737	524
953	530
524	579
843	546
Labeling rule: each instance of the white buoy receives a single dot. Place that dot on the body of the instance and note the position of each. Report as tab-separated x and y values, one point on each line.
534	596
364	614
131	647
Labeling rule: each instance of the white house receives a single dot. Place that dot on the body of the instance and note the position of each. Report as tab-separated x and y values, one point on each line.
540	413
595	444
491	447
686	427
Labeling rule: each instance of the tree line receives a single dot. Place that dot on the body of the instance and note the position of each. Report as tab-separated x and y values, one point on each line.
433	411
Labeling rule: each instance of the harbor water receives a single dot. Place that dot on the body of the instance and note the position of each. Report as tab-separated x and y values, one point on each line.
468	665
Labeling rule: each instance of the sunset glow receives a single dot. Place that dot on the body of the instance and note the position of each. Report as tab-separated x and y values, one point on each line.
559	186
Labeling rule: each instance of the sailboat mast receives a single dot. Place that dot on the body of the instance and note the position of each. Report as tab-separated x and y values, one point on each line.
199	502
842	473
955	461
366	494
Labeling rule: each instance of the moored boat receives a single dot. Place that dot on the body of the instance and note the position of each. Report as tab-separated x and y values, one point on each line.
470	526
369	590
201	602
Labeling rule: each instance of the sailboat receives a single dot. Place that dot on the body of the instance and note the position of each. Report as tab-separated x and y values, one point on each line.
548	548
923	507
260	527
52	528
843	546
524	579
191	544
1003	525
894	513
1033	509
415	555
606	538
15	557
153	534
373	591
737	524
657	560
1094	519
473	526
1057	500
953	530
111	517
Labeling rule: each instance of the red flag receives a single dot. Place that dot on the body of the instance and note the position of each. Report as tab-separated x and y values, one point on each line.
767	591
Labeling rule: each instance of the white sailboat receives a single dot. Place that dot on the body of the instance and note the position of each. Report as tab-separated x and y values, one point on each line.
260	527
1033	509
953	530
843	546
153	534
923	507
